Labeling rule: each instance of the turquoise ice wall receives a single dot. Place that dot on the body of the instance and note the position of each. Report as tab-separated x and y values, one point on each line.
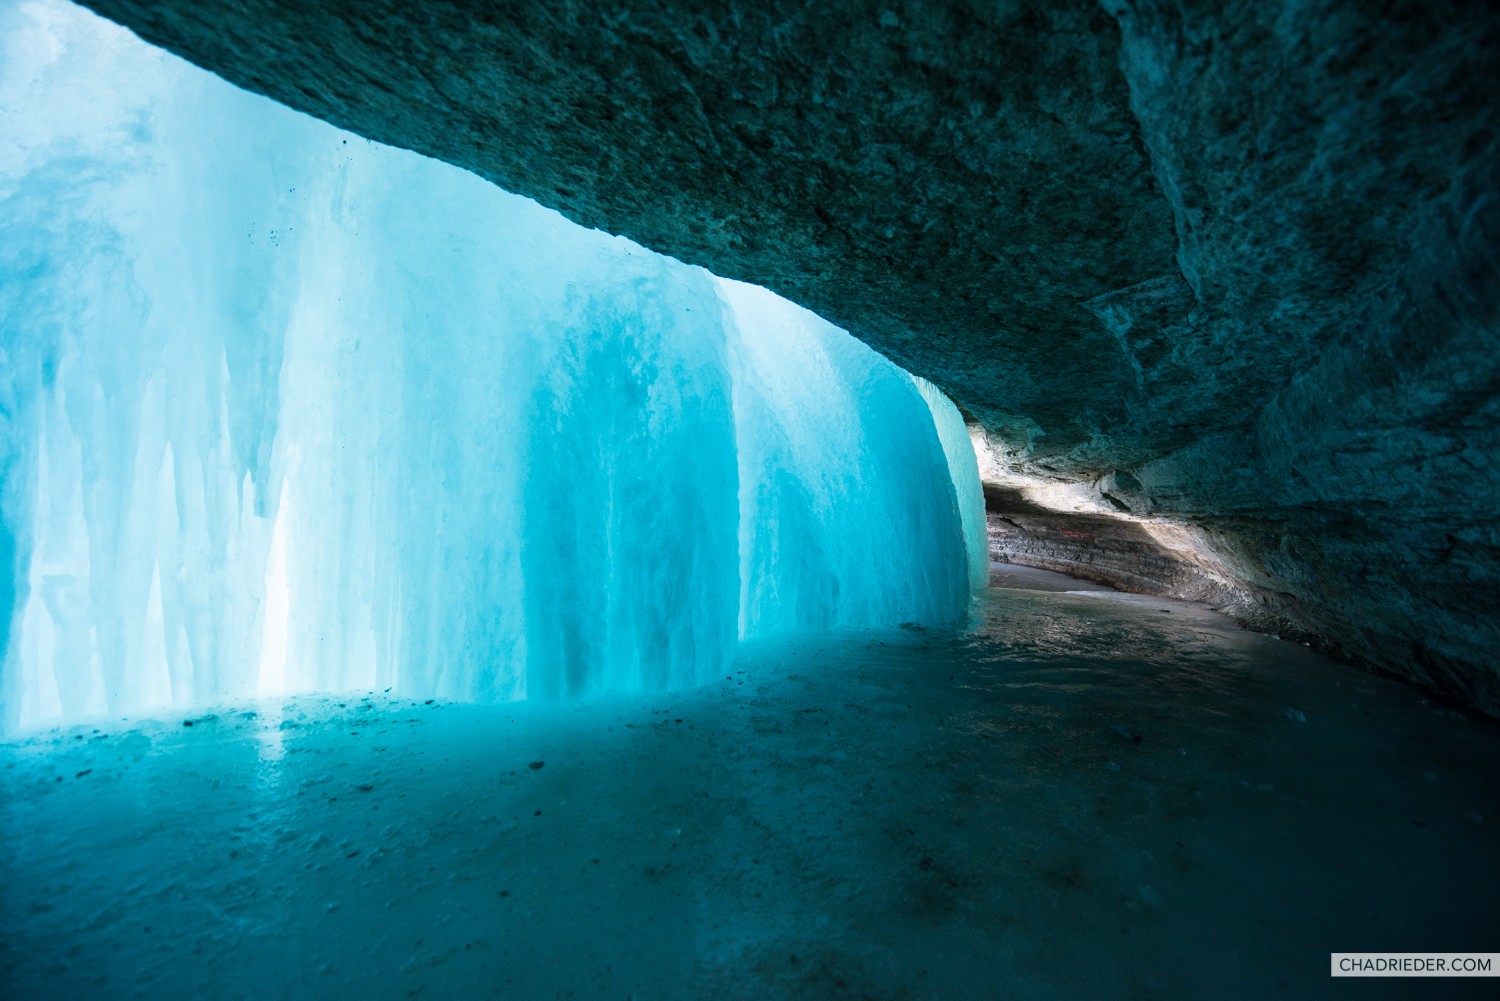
286	410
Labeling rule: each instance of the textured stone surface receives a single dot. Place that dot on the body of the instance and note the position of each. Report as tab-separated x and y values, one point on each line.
1095	547
1233	261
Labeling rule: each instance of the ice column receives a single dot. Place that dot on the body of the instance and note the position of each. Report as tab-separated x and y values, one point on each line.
963	467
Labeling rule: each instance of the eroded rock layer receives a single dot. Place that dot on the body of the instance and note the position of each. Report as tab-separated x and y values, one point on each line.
1234	261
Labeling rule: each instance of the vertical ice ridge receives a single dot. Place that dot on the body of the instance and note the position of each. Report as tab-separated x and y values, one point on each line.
963	468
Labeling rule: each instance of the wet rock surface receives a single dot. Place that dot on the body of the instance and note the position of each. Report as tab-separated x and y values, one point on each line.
1111	551
1241	255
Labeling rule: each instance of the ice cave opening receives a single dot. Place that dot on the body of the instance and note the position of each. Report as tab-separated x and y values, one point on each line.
288	411
411	593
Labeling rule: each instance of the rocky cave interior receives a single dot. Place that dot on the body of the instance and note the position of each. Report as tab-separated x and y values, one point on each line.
1214	289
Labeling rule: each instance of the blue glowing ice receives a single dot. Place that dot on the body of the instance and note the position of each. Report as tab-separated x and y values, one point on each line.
285	410
963	468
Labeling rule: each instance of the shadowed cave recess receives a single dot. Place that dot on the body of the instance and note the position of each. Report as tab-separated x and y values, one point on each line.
1215	281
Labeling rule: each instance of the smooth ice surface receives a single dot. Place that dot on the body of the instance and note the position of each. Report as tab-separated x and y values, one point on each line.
288	411
1092	795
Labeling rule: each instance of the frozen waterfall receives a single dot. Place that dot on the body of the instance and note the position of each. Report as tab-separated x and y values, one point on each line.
285	410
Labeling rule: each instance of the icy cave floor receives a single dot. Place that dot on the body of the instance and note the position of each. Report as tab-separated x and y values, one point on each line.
1091	795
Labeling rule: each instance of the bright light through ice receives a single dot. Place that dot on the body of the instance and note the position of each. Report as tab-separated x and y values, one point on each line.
290	411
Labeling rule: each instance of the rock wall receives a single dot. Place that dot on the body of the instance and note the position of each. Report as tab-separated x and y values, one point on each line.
1234	261
1096	547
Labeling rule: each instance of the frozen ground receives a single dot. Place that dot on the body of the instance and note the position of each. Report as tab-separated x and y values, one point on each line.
1091	795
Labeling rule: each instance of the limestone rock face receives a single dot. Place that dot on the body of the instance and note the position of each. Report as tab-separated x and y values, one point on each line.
1232	261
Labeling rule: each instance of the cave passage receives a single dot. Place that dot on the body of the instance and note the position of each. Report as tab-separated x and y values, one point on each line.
289	411
415	594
